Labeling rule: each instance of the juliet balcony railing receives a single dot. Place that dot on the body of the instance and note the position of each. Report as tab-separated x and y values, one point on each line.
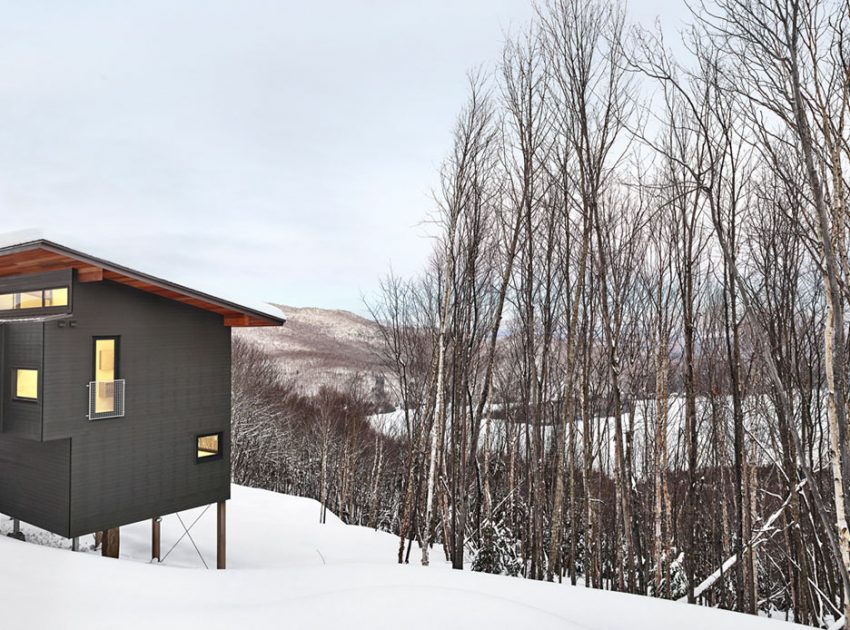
106	399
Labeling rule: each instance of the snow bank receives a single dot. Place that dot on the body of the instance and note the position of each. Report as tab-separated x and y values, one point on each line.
287	570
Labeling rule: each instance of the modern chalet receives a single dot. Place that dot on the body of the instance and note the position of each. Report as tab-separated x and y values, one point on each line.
115	393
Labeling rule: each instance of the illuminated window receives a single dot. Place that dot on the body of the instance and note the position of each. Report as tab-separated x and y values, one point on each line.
105	373
36	298
26	384
56	297
30	299
209	446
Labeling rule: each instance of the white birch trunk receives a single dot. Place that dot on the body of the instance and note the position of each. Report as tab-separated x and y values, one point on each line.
834	439
439	416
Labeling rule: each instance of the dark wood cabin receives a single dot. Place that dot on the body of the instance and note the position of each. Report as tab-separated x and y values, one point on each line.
115	392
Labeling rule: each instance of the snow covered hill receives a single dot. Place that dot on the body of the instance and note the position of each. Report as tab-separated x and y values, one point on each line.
288	571
322	347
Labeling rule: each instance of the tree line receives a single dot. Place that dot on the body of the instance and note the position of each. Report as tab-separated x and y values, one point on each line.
625	363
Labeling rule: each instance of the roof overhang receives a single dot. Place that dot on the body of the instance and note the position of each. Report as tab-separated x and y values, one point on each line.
41	255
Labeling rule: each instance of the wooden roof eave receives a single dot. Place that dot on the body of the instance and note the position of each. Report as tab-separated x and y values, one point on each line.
30	258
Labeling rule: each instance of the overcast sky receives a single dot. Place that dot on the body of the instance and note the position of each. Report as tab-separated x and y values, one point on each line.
279	150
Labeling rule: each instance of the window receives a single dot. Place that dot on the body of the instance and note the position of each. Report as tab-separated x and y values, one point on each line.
209	446
105	373
30	299
26	384
36	298
56	297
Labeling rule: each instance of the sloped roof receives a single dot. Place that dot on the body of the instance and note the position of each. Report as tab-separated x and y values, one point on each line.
40	255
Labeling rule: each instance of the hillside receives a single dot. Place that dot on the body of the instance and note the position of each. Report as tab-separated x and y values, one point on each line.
323	347
286	570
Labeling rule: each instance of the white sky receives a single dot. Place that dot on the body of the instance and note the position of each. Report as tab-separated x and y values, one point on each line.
283	150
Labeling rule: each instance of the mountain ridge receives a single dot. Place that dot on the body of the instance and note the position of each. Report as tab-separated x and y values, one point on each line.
318	346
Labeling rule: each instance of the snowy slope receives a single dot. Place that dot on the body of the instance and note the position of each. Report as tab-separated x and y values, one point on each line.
322	347
288	571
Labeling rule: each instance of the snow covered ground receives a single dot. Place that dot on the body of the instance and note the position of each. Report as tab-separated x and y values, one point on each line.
286	570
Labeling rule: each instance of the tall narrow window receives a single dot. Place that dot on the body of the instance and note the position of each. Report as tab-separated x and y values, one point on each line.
26	384
209	446
105	373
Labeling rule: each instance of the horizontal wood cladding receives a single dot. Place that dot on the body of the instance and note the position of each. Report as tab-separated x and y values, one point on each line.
35	482
175	360
33	261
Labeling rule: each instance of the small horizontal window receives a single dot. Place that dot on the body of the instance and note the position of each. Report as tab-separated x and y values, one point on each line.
36	298
209	446
26	384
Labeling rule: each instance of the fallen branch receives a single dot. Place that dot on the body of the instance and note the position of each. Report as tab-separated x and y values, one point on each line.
759	537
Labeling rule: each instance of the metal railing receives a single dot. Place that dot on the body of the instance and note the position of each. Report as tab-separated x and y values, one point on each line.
106	399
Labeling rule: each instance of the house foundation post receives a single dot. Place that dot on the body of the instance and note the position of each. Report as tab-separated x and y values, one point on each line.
16	530
75	544
221	535
155	539
111	545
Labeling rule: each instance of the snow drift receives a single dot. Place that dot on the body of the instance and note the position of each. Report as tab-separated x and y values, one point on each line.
287	570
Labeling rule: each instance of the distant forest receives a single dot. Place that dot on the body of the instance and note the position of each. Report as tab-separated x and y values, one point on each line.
626	363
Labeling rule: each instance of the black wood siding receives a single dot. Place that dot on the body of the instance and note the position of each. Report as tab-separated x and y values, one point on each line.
35	482
176	362
22	348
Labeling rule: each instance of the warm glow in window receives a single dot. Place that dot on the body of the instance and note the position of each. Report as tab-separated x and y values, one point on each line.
26	384
37	298
104	375
56	297
209	446
30	299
